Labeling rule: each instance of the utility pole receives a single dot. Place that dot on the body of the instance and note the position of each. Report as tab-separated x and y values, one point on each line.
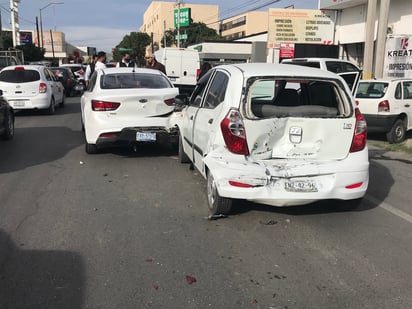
178	23
14	16
381	37
369	40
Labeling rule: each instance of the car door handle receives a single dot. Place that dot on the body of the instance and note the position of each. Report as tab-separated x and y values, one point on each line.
210	121
191	117
407	105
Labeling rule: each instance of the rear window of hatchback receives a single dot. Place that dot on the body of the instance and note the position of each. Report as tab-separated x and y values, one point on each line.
19	76
372	90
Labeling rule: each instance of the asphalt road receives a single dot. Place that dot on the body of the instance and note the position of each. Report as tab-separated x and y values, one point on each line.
125	229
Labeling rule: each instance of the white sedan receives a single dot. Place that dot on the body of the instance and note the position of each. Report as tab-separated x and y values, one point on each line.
128	106
31	87
275	134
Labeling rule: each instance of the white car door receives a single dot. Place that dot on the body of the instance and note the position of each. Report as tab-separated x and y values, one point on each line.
407	101
207	120
56	90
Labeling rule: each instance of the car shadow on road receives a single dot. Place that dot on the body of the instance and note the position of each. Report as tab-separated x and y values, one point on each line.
39	278
69	108
34	146
142	150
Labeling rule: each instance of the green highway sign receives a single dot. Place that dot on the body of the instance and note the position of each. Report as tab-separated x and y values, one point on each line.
184	19
124	49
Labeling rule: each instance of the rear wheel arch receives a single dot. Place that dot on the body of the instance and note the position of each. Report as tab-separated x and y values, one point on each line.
217	204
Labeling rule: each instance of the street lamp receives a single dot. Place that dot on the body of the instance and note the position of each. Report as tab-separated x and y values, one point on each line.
41	23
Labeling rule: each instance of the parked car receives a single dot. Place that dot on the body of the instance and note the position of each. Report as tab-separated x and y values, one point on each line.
31	87
67	78
78	70
387	106
6	119
274	134
346	69
127	106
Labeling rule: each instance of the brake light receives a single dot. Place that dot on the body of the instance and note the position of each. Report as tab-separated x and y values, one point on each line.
233	131
354	185
104	106
240	184
170	102
198	73
42	88
360	134
19	69
69	81
384	106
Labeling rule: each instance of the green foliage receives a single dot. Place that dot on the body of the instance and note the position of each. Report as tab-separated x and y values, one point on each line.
196	33
137	42
31	52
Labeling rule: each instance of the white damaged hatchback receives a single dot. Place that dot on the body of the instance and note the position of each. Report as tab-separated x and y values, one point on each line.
273	134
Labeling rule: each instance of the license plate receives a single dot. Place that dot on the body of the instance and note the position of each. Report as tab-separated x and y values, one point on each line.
300	186
19	103
173	79
145	137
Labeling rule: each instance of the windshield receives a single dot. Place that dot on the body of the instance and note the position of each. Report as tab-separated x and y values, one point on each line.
371	90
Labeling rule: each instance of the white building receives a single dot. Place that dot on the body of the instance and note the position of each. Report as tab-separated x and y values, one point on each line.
362	27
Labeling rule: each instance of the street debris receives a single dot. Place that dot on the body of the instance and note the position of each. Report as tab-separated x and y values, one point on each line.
215	217
155	286
190	279
270	222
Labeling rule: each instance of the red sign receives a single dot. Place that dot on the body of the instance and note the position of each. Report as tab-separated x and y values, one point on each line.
287	50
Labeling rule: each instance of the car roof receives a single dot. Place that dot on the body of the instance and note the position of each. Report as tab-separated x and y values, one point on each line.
111	70
25	66
276	69
315	59
385	80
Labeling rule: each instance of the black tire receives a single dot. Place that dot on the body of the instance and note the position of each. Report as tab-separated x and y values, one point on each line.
183	157
8	134
91	148
397	134
52	107
217	205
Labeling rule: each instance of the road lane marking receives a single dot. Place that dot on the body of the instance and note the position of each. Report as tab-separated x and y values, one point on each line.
391	209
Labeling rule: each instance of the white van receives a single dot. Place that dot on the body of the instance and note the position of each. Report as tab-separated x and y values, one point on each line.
182	66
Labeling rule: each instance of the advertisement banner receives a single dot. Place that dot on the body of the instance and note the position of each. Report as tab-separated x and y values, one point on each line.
299	26
398	57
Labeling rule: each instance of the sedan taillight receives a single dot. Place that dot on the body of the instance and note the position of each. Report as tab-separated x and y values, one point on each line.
233	131
104	106
384	106
360	134
42	88
170	102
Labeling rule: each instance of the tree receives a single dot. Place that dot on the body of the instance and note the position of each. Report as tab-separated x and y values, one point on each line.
196	33
135	43
31	52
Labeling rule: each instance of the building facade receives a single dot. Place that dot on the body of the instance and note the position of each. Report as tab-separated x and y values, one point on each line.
363	26
245	24
159	17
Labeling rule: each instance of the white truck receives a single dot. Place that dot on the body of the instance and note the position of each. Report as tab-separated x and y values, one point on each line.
182	66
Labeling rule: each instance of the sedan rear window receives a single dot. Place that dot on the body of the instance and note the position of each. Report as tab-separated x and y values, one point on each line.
134	80
371	90
19	76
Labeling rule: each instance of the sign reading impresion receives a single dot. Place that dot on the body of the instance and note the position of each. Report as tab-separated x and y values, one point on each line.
299	26
398	57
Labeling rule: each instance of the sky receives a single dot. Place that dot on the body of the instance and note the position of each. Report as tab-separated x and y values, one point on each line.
104	23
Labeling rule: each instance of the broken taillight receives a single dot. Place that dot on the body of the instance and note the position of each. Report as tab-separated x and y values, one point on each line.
104	105
42	88
233	131
360	134
384	106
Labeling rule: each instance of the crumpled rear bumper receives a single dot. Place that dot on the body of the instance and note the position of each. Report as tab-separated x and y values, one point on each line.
283	182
